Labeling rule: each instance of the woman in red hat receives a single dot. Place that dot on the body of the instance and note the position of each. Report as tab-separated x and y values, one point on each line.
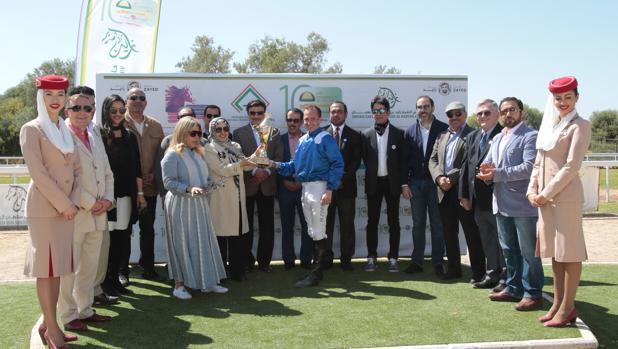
556	189
52	201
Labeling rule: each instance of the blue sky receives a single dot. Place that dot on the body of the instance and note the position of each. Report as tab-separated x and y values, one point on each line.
505	48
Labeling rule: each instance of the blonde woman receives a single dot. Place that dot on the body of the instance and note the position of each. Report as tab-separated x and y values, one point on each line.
193	252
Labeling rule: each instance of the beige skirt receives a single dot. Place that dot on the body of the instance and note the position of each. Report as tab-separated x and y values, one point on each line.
560	232
50	253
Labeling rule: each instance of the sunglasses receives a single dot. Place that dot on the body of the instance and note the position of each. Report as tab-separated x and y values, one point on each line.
120	110
195	133
135	98
254	113
222	129
294	121
378	111
509	110
483	113
423	107
78	108
210	116
455	114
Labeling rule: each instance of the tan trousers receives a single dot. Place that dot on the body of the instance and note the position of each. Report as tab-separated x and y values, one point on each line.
102	268
77	290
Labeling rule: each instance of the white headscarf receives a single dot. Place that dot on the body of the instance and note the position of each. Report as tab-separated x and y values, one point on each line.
552	125
60	135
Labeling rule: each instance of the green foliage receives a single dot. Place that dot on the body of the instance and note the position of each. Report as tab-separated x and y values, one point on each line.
532	117
277	55
604	131
473	121
383	69
207	58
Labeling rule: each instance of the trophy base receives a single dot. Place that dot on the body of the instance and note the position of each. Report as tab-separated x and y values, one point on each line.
263	161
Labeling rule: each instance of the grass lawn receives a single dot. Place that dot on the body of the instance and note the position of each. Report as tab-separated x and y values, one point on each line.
9	179
348	309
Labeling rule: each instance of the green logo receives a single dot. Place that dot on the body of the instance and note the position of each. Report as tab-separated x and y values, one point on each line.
121	46
247	95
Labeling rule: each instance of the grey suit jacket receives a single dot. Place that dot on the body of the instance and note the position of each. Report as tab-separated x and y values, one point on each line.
244	137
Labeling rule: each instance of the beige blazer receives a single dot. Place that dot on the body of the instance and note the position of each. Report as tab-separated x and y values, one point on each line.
555	174
97	183
54	187
149	142
224	202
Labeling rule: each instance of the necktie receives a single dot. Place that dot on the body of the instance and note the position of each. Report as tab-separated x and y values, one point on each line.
336	135
483	143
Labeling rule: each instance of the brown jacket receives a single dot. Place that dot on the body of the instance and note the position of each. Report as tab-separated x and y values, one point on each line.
56	177
555	174
149	142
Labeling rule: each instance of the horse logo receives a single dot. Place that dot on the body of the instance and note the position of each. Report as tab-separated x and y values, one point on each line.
122	47
387	93
444	88
16	194
175	98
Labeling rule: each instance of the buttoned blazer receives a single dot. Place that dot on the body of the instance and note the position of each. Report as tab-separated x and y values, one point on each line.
395	159
417	157
149	142
555	173
437	161
244	136
97	182
476	190
513	172
55	177
351	151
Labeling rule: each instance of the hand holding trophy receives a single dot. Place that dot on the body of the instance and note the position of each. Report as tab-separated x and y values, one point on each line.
266	132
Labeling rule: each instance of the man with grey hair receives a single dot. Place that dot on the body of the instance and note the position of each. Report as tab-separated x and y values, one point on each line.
477	194
445	166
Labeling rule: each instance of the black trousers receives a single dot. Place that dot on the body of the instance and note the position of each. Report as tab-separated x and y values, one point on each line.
146	234
234	251
119	252
346	209
374	205
452	214
266	228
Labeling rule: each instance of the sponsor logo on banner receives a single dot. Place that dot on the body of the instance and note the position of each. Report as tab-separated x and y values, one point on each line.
391	96
176	98
250	93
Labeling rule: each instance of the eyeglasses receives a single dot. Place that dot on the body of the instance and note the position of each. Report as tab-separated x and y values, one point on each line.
210	116
195	133
454	114
509	110
423	107
78	108
188	114
135	98
254	113
294	121
119	110
222	129
483	113
378	111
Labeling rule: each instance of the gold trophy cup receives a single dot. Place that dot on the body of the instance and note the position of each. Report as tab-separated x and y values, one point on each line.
266	132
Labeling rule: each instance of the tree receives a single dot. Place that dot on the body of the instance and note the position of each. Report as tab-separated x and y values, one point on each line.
604	130
383	69
274	55
207	58
532	117
473	121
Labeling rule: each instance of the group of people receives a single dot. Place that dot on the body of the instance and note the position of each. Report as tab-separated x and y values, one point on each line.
91	183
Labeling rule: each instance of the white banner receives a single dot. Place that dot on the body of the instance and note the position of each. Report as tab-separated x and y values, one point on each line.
12	205
116	37
590	181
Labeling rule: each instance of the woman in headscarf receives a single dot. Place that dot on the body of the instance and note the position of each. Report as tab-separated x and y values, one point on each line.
123	154
52	201
193	252
226	161
556	189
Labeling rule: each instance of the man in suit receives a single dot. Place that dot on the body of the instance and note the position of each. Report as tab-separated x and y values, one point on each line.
149	136
420	189
344	198
260	184
210	112
509	166
445	165
289	191
477	194
385	168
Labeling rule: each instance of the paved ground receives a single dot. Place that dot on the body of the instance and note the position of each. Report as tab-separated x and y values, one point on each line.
601	241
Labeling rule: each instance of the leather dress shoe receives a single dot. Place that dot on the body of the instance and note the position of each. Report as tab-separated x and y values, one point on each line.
310	280
499	288
413	268
450	275
347	266
265	269
151	275
503	296
104	299
124	280
75	325
439	270
97	318
43	329
288	265
485	283
527	304
306	265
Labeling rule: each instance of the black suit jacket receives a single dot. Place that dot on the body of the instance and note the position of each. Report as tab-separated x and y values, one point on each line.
417	157
470	187
350	147
395	162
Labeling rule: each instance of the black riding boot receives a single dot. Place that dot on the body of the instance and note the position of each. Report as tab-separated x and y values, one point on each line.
316	273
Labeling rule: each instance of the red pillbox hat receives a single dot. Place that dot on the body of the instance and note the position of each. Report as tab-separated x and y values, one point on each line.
52	82
563	84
